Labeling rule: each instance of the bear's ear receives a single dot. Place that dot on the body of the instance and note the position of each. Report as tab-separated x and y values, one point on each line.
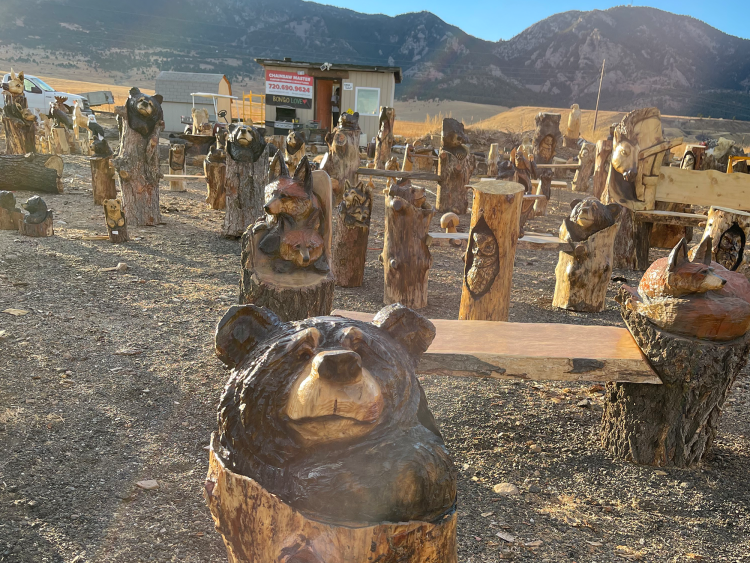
134	92
158	97
241	329
412	330
575	202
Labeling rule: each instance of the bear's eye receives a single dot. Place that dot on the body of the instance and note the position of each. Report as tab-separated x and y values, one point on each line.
305	354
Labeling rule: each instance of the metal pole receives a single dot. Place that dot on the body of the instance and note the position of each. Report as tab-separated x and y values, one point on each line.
596	113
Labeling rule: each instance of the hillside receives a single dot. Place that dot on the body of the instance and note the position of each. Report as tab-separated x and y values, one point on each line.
677	63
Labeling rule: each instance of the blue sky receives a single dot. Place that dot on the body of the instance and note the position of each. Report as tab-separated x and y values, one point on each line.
494	20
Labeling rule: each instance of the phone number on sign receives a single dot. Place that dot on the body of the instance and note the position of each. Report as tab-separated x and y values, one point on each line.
289	88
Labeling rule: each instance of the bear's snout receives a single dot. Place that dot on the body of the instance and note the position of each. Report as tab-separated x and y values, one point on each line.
341	366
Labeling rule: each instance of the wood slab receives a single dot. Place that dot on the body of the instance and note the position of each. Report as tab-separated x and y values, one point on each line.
183	177
399	174
530	241
671	218
704	187
531	351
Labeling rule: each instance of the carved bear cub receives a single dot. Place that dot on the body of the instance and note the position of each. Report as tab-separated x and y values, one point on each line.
588	216
245	143
143	112
327	414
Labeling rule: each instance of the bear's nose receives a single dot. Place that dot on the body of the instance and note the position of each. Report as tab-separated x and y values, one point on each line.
341	366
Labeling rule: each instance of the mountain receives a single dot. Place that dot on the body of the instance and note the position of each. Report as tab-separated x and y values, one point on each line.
677	63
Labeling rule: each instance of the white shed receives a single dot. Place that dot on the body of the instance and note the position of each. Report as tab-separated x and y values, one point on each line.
176	88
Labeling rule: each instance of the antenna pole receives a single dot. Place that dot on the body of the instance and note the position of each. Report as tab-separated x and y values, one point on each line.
596	113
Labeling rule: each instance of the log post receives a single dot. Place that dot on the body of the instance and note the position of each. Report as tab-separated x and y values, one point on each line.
493	160
544	188
137	161
601	164
102	179
455	167
177	165
117	226
586	158
246	177
216	173
729	230
351	232
342	160
10	215
673	424
60	141
20	136
31	172
384	139
406	255
488	266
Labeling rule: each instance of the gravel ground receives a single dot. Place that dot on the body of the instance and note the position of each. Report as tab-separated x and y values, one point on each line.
110	379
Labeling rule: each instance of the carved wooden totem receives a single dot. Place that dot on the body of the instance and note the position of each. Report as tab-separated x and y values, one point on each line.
177	166
38	221
117	227
325	431
19	122
342	160
582	178
601	163
215	169
10	215
583	272
520	169
384	140
351	234
286	257
246	177
137	163
547	139
455	167
294	148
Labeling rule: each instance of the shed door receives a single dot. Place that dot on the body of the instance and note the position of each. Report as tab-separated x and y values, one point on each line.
323	93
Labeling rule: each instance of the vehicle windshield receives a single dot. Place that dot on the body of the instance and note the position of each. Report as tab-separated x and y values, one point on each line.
42	84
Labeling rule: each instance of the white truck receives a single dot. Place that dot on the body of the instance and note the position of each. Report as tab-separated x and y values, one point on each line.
39	94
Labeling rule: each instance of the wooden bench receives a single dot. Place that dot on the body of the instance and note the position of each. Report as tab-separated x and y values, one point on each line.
530	241
183	177
531	351
671	218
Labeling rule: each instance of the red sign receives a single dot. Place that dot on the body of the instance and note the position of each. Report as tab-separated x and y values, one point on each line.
289	84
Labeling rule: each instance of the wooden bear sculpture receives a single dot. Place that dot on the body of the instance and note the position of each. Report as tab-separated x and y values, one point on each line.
325	431
116	225
294	148
455	167
38	221
19	122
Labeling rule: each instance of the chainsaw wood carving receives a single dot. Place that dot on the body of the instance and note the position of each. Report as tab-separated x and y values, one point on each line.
10	215
351	234
64	140
38	220
547	139
246	178
493	160
342	160
19	122
488	266
418	159
215	170
520	169
44	139
728	230
177	165
102	178
602	163
384	139
455	167
117	226
286	256
322	425
582	178
201	123
675	424
392	164
31	172
667	236
573	131
137	163
406	255
294	149
583	272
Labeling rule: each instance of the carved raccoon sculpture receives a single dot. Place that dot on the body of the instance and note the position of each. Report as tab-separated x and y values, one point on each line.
327	414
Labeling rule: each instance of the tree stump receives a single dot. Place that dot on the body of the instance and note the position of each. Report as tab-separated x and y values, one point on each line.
43	229
10	216
102	179
544	188
582	178
177	165
246	178
673	424
729	230
582	275
406	255
493	160
31	172
20	135
342	160
384	139
60	143
632	241
351	232
137	161
488	266
216	173
455	167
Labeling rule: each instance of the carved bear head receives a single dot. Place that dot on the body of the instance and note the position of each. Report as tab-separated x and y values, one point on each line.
245	143
143	112
588	216
295	140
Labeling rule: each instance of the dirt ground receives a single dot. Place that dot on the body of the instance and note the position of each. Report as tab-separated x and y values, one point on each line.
110	379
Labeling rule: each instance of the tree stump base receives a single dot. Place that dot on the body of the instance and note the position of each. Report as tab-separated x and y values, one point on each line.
103	179
241	510
20	135
10	220
43	229
583	274
545	189
673	424
729	230
351	225
244	186
216	173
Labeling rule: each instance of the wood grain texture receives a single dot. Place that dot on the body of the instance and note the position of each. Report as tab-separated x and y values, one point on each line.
10	220
102	179
31	172
671	218
20	135
244	184
706	187
384	139
406	175
43	229
216	173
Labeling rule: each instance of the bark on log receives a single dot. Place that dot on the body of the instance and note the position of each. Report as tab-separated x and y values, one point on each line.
488	266
60	143
102	179
20	136
216	172
241	510
351	232
384	139
673	424
493	160
582	178
244	193
729	230
31	172
667	236
137	165
43	229
583	274
10	220
406	255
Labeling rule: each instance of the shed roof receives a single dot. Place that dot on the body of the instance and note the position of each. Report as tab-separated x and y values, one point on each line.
396	70
177	86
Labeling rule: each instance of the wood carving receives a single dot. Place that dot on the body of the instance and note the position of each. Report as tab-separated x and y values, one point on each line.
583	272
520	169
406	255
455	167
215	169
201	123
10	215
697	298
602	163
60	143
294	148
31	172
449	222
547	139
351	234
141	121
286	257
493	160
102	178
573	131
582	178
667	236
728	230
117	227
673	424
342	160
488	266
38	221
384	139
418	159
392	164
324	430
177	165
19	122
44	138
246	177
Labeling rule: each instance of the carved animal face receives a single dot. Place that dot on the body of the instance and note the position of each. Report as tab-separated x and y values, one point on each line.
546	147
177	155
100	147
349	120
302	247
625	158
245	143
453	134
357	203
15	83
113	213
291	196
37	209
588	216
484	244
295	140
143	112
